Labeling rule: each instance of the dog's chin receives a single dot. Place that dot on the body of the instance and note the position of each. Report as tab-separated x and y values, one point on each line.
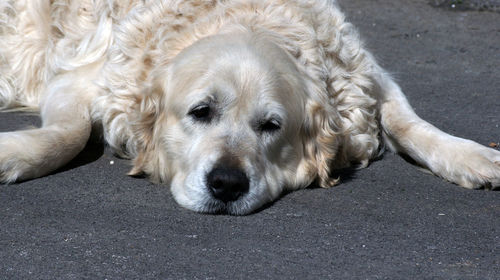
243	206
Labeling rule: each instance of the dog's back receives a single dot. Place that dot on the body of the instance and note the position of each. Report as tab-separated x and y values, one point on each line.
41	39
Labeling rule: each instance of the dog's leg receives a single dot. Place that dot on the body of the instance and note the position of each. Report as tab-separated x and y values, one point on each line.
458	160
66	127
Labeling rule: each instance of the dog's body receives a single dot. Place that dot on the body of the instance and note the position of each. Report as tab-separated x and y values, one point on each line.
228	102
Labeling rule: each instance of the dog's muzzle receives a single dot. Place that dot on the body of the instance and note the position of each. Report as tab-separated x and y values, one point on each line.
227	183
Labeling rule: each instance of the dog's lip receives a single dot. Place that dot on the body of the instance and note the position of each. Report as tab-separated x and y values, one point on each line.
217	207
214	206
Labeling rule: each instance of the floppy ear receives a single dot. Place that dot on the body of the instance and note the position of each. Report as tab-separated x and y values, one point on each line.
322	140
147	119
341	131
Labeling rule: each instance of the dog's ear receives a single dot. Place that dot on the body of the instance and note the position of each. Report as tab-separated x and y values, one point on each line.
341	130
147	119
322	141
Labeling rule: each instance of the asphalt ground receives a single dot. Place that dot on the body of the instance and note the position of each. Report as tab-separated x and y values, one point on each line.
388	221
478	5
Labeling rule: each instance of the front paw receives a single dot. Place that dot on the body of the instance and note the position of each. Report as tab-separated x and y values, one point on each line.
10	170
16	158
472	165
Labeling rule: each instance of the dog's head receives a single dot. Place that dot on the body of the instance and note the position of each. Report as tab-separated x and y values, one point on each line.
230	122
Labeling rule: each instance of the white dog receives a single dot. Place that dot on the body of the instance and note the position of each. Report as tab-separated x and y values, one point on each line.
229	102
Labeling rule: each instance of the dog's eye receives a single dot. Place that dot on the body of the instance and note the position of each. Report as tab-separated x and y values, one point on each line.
270	126
201	113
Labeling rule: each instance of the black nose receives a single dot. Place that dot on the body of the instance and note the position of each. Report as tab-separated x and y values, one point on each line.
227	184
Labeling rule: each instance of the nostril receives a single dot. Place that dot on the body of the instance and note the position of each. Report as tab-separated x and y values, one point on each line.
227	184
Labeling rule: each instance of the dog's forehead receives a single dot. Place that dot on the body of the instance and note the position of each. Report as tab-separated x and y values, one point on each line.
246	85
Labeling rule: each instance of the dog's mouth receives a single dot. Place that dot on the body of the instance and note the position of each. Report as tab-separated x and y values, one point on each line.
217	207
241	206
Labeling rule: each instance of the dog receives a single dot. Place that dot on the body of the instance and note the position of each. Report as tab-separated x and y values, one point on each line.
228	102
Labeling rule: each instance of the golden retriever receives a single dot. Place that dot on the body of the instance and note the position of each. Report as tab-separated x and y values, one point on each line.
229	102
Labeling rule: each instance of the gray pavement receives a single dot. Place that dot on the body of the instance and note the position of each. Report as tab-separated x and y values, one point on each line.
389	221
477	5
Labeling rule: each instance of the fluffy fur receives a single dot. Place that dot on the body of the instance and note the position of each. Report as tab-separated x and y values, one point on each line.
269	94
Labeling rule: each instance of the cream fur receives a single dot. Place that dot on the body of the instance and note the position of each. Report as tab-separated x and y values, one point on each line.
137	67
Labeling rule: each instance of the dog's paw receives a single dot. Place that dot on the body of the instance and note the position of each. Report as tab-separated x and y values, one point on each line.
11	167
471	165
10	171
17	158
